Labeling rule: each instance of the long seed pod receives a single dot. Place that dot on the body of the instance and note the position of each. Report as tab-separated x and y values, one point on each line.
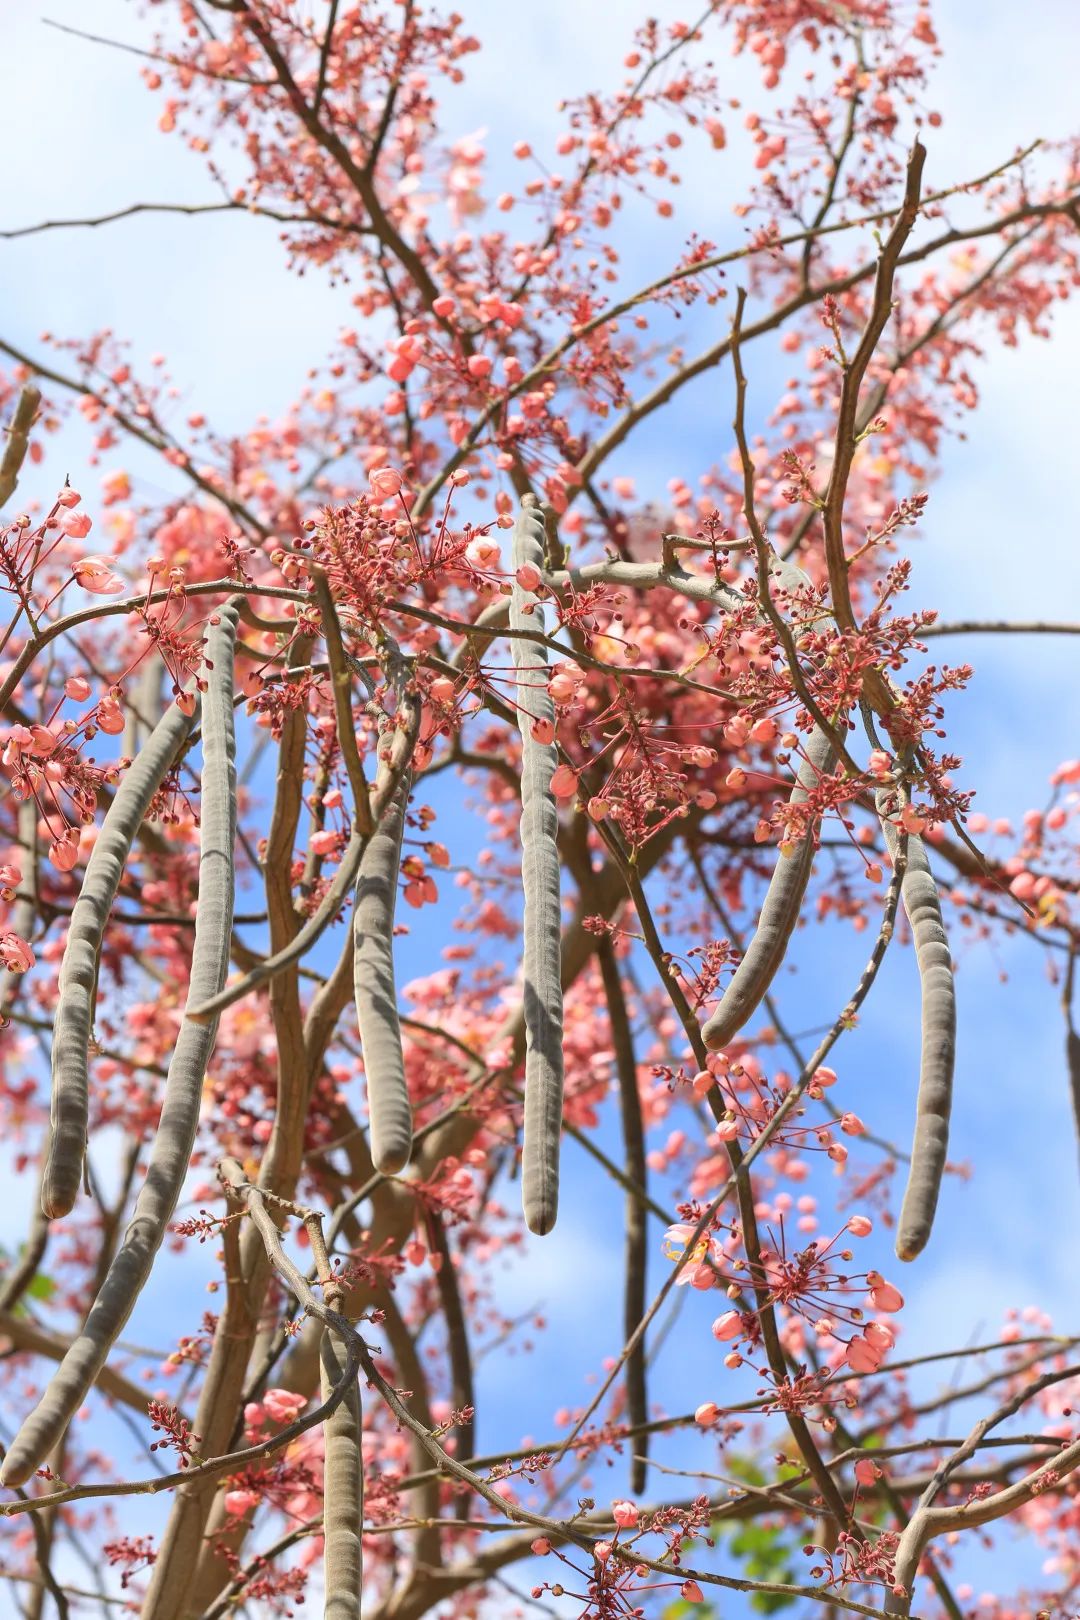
930	1146
170	1154
779	914
77	985
18	441
375	991
540	871
343	1491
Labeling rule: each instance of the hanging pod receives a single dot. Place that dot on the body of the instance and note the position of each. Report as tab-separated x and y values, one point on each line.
779	913
375	991
930	1146
170	1153
77	986
540	871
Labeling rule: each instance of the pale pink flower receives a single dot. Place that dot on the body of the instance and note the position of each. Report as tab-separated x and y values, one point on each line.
76	525
483	553
541	1546
542	732
602	1551
727	1326
529	577
866	1471
564	782
15	953
881	1337
283	1405
110	717
705	1254
852	1125
64	854
625	1514
384	483
824	1077
860	1226
95	574
883	1296
77	688
68	497
692	1592
862	1357
706	1414
240	1502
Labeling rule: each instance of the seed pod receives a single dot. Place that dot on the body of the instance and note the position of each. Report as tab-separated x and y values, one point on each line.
931	1142
77	986
375	990
779	914
343	1491
540	871
18	441
1072	1056
170	1154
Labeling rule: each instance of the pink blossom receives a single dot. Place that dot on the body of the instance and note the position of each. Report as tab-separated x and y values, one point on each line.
541	1546
68	497
852	1125
602	1551
64	854
283	1405
860	1226
728	1326
95	574
866	1471
529	577
862	1357
625	1514
15	953
883	1296
110	717
483	553
384	483
564	782
77	688
543	732
706	1414
240	1502
76	525
691	1592
705	1255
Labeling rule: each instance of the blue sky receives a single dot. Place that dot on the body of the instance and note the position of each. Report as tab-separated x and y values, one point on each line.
998	541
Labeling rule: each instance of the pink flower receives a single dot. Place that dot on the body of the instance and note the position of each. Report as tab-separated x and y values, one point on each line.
705	1255
728	1326
883	1296
110	717
15	953
483	553
706	1414
64	854
68	497
95	574
76	525
283	1405
692	1592
240	1502
625	1514
862	1357
866	1471
185	702
77	688
543	732
852	1125
529	577
541	1546
598	808
563	782
860	1226
824	1077
881	1337
384	483
602	1551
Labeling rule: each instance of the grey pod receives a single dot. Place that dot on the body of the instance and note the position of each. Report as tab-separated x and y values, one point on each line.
170	1154
77	985
540	871
930	1146
375	991
343	1491
779	914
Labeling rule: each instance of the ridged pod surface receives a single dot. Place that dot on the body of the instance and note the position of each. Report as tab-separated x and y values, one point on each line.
343	1491
779	914
170	1154
540	870
930	1146
375	990
77	985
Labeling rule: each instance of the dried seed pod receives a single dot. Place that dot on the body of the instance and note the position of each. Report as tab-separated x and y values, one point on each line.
779	914
18	440
77	985
375	990
540	871
930	1146
343	1490
170	1154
